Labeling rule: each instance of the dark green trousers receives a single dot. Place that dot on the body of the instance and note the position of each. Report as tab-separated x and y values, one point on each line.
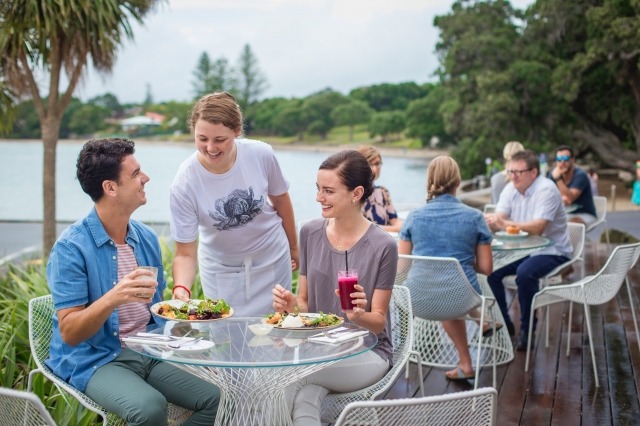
138	388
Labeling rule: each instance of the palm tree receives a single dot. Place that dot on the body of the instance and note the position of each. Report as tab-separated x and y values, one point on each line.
54	36
7	107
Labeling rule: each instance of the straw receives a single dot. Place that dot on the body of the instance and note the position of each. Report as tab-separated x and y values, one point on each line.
346	260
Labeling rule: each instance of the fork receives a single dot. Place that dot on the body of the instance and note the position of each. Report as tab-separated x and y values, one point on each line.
328	334
187	343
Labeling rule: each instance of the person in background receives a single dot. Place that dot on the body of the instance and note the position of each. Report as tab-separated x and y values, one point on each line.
635	196
445	227
220	195
532	203
98	300
344	181
574	185
499	180
593	180
378	207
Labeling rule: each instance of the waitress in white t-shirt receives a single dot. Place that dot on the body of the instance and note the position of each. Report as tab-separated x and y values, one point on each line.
231	193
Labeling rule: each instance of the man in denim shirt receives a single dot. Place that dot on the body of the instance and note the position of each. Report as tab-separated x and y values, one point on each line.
97	298
534	204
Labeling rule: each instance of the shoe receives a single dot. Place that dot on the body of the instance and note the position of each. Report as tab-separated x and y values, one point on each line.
511	329
488	332
521	343
460	376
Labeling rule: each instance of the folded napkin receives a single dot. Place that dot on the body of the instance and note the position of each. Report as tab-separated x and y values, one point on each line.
155	339
338	336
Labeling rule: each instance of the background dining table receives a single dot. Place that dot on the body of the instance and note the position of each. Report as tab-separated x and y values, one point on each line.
252	371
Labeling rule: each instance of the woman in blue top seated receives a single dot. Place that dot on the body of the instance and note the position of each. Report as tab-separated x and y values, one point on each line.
445	227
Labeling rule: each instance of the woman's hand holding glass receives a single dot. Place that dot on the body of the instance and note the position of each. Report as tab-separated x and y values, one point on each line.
283	299
359	300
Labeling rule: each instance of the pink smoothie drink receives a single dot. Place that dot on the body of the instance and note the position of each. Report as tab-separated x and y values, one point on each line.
346	285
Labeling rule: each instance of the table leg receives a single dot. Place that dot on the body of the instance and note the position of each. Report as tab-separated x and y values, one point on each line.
253	396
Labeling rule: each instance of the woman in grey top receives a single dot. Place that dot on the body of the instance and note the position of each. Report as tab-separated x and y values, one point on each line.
344	181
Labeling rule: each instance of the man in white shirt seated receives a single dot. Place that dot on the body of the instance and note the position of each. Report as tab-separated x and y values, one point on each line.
534	204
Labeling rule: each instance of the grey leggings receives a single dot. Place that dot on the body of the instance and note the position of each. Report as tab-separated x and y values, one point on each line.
304	397
138	388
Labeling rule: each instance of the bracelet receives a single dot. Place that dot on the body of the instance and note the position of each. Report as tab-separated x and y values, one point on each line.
181	286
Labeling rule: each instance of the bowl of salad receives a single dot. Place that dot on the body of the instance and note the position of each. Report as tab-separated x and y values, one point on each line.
195	310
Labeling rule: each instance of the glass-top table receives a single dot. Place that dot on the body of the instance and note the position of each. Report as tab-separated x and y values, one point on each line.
252	371
510	249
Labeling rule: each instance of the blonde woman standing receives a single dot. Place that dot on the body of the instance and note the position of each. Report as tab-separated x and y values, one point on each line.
378	207
219	196
500	180
445	227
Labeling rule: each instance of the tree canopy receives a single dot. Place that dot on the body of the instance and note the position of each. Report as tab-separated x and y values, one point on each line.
564	71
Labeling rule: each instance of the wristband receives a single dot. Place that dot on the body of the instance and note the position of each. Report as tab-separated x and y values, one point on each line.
181	286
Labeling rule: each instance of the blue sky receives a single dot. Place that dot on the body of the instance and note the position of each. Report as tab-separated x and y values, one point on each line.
302	45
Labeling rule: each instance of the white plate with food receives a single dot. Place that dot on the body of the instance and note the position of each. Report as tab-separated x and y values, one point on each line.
303	321
194	311
505	235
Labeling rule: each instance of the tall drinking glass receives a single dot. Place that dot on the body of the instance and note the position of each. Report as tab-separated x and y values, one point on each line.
346	284
154	277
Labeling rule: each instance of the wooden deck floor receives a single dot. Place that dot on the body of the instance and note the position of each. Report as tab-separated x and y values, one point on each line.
560	390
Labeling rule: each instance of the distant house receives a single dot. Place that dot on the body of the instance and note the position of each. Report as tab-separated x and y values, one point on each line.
148	121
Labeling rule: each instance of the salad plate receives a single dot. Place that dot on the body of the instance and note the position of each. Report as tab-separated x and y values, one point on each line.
177	310
310	321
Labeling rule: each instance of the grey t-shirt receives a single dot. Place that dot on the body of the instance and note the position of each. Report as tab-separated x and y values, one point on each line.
375	257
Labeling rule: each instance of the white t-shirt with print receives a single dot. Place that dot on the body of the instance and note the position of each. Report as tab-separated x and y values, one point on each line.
231	215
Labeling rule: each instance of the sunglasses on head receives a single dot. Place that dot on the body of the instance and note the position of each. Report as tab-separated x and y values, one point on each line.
563	158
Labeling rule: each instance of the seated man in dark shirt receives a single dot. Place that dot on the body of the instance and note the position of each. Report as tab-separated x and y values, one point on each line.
574	185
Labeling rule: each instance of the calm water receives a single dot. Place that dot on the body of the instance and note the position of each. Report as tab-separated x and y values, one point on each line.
21	180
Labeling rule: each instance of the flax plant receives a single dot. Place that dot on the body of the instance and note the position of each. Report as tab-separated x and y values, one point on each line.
21	284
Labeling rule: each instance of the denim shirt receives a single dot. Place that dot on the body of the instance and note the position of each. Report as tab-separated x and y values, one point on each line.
445	227
82	267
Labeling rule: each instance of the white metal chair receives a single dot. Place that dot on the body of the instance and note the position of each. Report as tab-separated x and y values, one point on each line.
476	407
592	290
578	238
440	291
19	408
402	339
601	214
41	312
489	208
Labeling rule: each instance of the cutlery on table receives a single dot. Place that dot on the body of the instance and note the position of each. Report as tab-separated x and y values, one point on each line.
178	345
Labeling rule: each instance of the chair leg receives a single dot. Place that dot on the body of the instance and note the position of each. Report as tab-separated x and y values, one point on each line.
531	316
633	311
419	360
546	322
483	307
593	354
606	231
32	374
494	344
569	327
406	368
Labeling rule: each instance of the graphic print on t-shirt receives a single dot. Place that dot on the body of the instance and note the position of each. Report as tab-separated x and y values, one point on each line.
236	210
